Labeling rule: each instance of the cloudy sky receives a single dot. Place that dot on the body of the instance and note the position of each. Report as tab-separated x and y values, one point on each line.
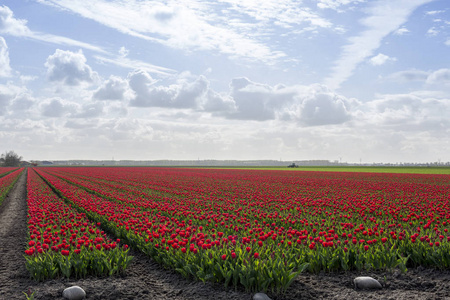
353	80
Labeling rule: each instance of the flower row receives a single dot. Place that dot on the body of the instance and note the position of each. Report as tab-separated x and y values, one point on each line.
10	176
63	241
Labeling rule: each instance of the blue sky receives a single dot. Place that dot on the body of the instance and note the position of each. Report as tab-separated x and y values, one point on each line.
293	80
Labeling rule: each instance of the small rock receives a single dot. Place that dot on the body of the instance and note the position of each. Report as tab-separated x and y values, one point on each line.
261	296
74	293
364	283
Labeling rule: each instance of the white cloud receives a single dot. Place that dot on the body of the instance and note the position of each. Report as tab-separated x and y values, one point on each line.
384	17
434	12
123	51
18	27
323	108
69	68
63	109
5	69
432	31
218	103
22	102
88	110
410	75
228	30
125	62
283	13
27	78
181	95
381	59
401	31
336	4
11	25
447	42
10	93
115	88
306	105
81	124
441	76
408	112
191	93
253	101
4	102
312	105
56	108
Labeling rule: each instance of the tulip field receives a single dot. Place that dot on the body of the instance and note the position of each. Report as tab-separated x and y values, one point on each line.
64	242
8	176
253	228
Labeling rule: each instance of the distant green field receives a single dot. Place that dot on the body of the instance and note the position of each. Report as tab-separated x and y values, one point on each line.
411	170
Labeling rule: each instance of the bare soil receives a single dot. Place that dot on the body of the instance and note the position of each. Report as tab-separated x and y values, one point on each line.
145	279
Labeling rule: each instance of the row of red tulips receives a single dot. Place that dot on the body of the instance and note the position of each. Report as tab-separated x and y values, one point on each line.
64	242
8	176
260	228
6	170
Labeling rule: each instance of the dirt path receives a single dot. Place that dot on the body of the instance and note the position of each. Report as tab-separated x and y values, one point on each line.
13	229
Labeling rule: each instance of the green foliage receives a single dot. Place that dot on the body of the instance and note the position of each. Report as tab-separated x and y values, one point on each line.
10	159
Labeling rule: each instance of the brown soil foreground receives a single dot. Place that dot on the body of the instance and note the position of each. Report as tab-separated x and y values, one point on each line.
145	279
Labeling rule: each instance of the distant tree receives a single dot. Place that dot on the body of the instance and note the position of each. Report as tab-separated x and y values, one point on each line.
10	159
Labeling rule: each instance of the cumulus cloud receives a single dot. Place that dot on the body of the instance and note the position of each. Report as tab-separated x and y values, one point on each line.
381	59
190	93
10	93
4	102
60	108
81	124
256	101
5	69
246	100
115	88
88	110
184	95
22	102
323	107
408	112
313	105
69	68
56	108
218	103
11	25
441	76
121	129
141	83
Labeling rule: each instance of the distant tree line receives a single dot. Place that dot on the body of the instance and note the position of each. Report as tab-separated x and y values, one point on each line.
10	159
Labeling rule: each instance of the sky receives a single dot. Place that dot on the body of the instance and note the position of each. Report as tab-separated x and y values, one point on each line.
348	80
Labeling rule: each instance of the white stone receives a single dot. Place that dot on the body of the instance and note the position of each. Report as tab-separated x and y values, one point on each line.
365	282
74	293
261	296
